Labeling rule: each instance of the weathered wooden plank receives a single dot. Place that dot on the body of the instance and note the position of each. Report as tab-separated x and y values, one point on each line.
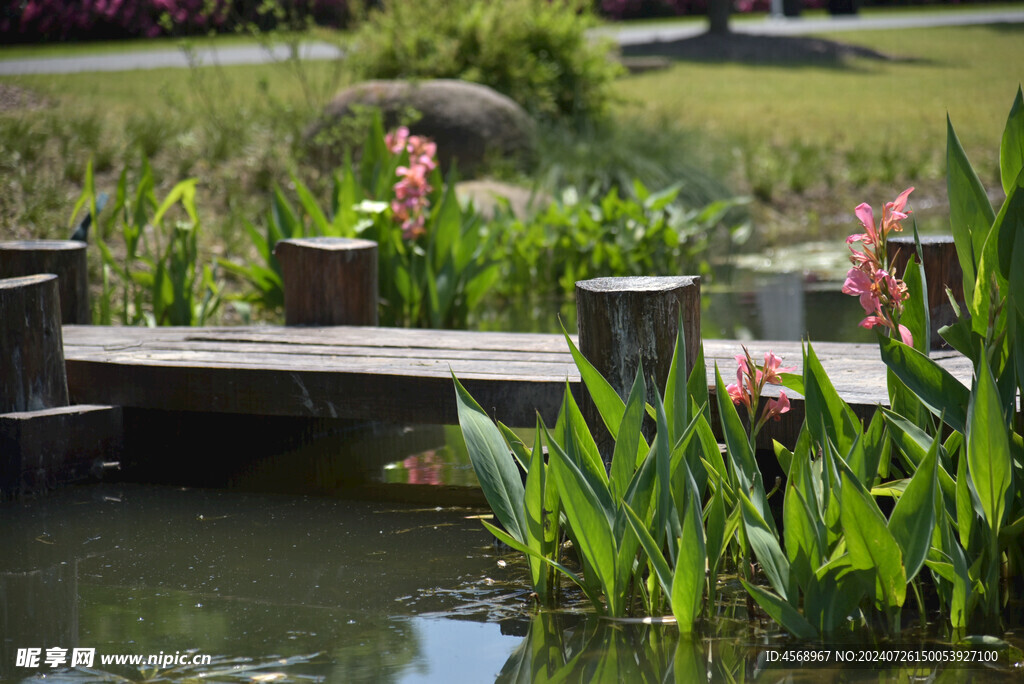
390	374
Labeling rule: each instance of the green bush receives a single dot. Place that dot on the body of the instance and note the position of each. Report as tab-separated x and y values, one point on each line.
534	51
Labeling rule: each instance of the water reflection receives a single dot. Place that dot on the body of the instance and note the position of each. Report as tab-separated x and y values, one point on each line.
571	648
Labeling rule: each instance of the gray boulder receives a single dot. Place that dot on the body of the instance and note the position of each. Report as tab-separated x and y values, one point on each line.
469	122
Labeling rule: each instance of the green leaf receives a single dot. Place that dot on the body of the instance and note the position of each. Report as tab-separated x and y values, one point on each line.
913	518
625	455
944	395
590	519
871	545
988	447
538	519
803	541
677	406
607	401
1011	151
970	213
915	309
782	612
766	547
689	579
825	408
1008	229
493	463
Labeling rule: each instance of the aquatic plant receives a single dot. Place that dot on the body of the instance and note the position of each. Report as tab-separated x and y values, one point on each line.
157	278
435	259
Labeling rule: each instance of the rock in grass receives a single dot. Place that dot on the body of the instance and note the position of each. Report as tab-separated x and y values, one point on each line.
470	123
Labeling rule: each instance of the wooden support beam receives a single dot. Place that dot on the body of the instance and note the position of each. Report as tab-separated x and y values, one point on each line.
32	373
942	270
42	449
64	258
627	321
329	281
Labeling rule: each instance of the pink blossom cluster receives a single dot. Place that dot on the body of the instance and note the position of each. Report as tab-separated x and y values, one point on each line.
62	19
35	20
412	191
881	294
750	381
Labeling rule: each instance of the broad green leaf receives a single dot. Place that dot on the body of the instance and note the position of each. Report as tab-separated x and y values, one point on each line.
609	404
624	456
965	503
766	547
913	518
804	544
825	408
782	612
1010	227
737	443
944	395
1011	151
581	447
988	448
697	385
915	309
667	516
590	521
970	213
677	406
658	563
493	463
871	545
689	579
538	519
715	537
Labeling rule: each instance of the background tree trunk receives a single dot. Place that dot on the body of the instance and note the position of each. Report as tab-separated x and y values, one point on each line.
718	16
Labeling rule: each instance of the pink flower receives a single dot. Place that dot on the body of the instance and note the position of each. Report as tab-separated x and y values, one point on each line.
775	408
736	393
860	284
867	219
772	368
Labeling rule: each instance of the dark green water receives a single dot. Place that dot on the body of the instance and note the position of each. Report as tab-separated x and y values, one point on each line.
293	589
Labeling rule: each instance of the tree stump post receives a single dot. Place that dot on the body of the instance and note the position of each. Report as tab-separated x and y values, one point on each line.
625	321
941	269
329	281
64	258
32	373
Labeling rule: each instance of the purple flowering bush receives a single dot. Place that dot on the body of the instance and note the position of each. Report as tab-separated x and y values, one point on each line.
51	20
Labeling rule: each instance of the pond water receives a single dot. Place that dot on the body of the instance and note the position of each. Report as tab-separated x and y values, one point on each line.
294	589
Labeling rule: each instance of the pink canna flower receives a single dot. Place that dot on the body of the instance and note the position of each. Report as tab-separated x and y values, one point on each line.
772	368
775	408
737	394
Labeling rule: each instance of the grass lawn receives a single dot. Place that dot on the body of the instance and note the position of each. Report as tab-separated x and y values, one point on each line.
810	141
807	141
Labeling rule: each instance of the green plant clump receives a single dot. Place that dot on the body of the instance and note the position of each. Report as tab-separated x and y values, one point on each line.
651	532
534	51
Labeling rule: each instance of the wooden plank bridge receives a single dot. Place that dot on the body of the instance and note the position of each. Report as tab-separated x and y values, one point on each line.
391	374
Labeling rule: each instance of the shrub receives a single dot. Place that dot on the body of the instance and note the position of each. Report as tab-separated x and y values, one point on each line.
534	51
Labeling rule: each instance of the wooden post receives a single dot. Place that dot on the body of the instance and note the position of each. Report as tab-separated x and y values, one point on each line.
32	373
329	281
64	258
623	321
942	270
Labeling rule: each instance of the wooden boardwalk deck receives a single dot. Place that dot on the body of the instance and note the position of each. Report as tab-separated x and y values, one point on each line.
391	374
